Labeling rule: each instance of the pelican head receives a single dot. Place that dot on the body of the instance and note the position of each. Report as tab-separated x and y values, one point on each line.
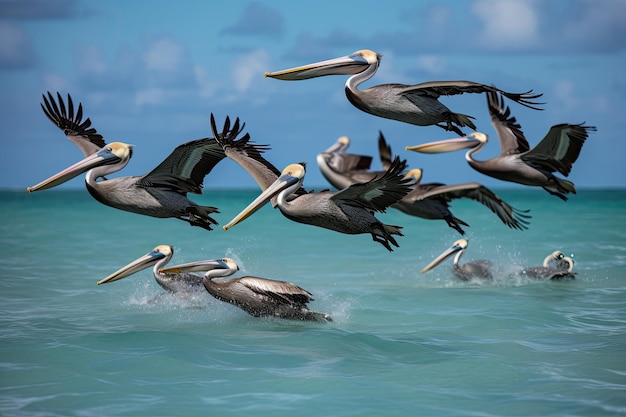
351	64
215	267
160	253
449	145
111	157
414	175
288	181
457	246
567	263
557	256
341	145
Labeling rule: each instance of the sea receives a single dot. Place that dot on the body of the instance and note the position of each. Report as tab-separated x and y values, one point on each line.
401	343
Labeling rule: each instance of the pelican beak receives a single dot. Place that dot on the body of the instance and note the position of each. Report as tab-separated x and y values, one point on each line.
137	265
345	65
336	147
102	157
283	182
448	145
199	266
444	255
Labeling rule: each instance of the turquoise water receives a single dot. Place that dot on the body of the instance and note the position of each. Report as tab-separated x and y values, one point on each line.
401	343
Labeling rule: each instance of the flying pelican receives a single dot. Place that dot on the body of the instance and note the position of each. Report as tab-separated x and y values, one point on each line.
256	296
555	266
428	201
158	257
557	151
160	193
349	211
414	104
474	269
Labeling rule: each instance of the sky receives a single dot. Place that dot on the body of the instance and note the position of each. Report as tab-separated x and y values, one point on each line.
151	73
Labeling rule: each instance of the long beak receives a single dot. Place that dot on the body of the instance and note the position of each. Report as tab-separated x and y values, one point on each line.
146	261
345	65
444	255
336	147
283	182
448	145
199	266
97	159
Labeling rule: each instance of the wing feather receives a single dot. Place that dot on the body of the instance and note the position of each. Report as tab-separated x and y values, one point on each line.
79	132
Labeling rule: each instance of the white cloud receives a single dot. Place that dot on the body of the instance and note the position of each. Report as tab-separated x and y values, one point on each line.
164	55
55	82
16	50
512	23
149	96
91	61
431	63
206	84
248	68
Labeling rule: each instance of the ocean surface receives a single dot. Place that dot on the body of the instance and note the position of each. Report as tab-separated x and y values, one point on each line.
401	343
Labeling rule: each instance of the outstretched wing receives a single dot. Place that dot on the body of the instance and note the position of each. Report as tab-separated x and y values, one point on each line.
378	193
512	217
436	89
185	168
384	151
560	148
78	131
510	135
246	154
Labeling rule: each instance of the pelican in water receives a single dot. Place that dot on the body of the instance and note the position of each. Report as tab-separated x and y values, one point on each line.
160	193
349	211
555	266
256	296
414	104
158	258
475	269
517	162
428	201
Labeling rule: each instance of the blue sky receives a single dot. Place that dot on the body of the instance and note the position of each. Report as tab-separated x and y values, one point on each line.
150	73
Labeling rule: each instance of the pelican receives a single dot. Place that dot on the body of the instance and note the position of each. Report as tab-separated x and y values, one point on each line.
158	258
428	201
555	266
349	211
160	193
474	269
254	295
414	104
557	151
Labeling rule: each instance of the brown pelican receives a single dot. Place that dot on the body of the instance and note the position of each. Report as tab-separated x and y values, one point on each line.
557	151
474	269
256	296
160	193
349	211
555	266
158	257
428	201
415	104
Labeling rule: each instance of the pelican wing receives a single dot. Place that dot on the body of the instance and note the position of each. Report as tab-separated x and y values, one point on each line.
80	132
185	168
436	89
347	162
560	148
512	217
384	151
280	290
247	154
380	192
512	139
